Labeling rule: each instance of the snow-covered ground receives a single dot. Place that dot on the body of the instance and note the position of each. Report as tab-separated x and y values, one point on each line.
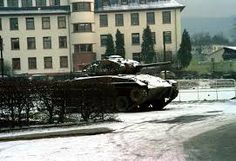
156	135
199	94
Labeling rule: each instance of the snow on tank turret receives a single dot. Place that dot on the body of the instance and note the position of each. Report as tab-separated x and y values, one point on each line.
134	91
115	64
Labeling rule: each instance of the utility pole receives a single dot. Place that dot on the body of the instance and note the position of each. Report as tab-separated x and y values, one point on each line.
2	62
164	50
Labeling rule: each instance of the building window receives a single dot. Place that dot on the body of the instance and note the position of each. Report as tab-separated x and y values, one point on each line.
86	48
55	2
135	39
26	3
61	21
81	6
63	62
15	44
103	21
167	37
83	48
103	40
0	24
45	22
134	19
47	62
166	17
142	1
32	63
14	24
40	3
154	37
76	27
16	64
137	56
12	3
124	2
31	43
83	27
105	3
30	23
150	18
62	42
1	3
47	44
119	20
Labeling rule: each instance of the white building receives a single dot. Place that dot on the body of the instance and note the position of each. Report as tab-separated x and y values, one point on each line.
226	53
61	36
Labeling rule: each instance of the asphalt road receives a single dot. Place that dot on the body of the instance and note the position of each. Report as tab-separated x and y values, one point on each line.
186	131
215	145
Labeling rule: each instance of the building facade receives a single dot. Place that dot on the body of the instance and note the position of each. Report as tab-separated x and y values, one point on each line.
226	53
62	36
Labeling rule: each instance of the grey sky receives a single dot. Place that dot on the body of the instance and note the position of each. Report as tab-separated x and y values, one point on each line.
209	8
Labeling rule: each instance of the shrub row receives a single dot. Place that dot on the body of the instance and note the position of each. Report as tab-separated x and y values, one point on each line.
24	102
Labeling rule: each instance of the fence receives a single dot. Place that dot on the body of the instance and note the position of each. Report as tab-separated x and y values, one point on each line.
206	89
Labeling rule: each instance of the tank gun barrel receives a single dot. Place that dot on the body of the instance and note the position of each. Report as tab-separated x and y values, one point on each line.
140	66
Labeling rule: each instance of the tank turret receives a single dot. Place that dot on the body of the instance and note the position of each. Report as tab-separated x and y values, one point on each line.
115	64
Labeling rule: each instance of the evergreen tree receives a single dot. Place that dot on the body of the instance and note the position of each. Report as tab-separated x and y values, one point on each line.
147	53
234	33
220	39
184	55
202	39
120	50
7	69
110	50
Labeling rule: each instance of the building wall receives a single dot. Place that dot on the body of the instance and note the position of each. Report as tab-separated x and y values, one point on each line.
23	53
77	59
82	58
128	29
206	49
216	56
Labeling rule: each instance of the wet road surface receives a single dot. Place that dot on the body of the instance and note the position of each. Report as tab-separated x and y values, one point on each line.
218	145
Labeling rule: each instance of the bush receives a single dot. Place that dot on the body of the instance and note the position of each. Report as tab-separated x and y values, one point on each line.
24	102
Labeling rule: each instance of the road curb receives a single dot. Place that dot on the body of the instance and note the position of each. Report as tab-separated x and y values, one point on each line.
68	133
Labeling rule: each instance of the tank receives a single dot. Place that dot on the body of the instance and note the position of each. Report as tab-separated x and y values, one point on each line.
134	91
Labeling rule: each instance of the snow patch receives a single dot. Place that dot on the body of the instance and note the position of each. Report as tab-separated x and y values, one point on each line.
136	5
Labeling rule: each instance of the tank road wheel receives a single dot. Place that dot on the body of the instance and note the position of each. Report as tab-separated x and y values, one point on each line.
122	103
138	95
144	106
158	104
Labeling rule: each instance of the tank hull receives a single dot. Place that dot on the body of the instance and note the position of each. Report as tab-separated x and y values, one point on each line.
137	92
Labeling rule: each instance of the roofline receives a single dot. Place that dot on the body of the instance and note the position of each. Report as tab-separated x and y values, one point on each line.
230	47
213	53
28	14
138	9
66	7
13	11
223	48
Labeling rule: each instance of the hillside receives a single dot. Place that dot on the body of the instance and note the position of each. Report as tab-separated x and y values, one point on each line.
211	25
